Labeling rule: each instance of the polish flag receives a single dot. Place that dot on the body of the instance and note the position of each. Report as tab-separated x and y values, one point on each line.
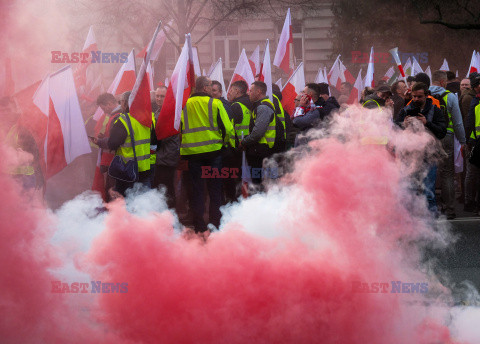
254	61
416	67
179	88
356	90
369	78
266	73
293	87
139	102
242	71
473	64
80	70
217	74
444	66
390	72
428	72
124	81
336	75
282	55
157	46
347	76
321	76
66	138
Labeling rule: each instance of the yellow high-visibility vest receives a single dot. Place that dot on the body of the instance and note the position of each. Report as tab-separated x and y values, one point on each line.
199	126
141	135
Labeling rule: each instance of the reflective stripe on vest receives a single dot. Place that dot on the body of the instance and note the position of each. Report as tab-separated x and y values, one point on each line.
477	123
372	100
12	139
141	135
450	121
153	148
280	113
269	136
244	127
199	127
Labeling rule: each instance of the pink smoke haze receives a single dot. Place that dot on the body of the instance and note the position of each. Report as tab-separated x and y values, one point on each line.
268	276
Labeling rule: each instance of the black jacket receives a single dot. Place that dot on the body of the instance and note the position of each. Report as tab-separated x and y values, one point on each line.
372	105
328	106
436	122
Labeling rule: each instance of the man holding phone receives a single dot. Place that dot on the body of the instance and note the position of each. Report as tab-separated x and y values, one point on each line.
422	109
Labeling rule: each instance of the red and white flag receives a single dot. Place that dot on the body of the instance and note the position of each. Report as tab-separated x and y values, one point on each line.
254	61
66	138
369	78
336	75
157	46
217	74
347	76
356	90
293	87
282	55
266	73
388	74
124	81
242	71
180	85
139	101
444	66
80	70
474	66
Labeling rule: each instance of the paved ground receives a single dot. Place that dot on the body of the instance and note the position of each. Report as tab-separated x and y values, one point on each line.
462	262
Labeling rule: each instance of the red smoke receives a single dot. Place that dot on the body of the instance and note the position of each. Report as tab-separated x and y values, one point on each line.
347	222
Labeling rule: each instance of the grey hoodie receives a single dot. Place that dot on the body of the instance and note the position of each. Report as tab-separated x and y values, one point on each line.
454	109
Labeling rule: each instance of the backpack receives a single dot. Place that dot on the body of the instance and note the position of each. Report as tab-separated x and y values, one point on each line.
443	105
280	144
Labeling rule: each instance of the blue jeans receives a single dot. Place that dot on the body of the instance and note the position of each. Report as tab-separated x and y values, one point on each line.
429	183
197	198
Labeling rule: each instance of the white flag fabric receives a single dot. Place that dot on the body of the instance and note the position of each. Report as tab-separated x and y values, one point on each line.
266	75
428	71
369	77
357	89
196	62
217	74
321	76
416	67
150	75
282	55
279	83
444	66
